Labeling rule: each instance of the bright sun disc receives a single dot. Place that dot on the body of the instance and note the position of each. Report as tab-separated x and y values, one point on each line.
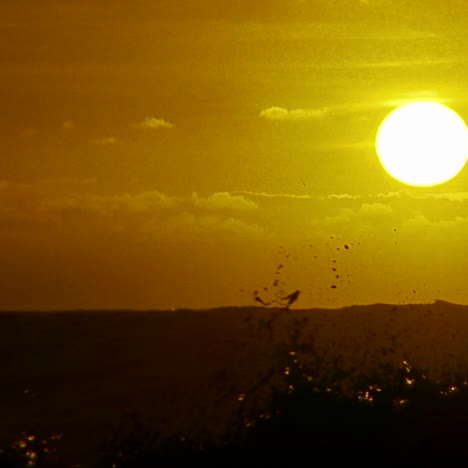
422	143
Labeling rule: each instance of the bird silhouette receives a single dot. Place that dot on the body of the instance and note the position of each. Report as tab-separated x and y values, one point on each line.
291	298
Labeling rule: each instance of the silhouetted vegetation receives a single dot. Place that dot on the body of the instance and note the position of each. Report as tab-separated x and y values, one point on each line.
304	410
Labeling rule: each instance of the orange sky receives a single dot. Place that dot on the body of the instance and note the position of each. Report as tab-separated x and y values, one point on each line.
160	153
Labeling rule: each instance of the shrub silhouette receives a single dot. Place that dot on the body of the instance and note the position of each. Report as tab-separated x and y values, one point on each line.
396	417
321	413
29	450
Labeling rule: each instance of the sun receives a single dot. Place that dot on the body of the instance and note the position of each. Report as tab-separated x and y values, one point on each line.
422	143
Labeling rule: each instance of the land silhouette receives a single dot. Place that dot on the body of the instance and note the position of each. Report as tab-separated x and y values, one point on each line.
254	378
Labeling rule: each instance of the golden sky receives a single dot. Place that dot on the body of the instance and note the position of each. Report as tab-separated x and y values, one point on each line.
159	154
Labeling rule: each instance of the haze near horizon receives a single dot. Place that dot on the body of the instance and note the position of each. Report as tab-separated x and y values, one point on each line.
187	154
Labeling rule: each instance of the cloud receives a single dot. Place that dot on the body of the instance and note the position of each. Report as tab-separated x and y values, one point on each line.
400	195
151	214
447	196
147	202
187	224
366	212
283	114
295	196
153	123
143	203
421	221
344	216
397	195
450	196
276	113
230	225
103	141
74	202
280	113
341	196
224	200
274	195
375	210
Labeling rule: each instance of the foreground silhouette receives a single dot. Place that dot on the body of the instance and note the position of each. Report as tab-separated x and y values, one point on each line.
305	409
394	418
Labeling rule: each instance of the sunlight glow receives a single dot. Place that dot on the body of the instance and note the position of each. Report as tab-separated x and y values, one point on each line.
423	143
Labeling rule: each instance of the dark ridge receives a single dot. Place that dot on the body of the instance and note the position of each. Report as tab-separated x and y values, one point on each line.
439	303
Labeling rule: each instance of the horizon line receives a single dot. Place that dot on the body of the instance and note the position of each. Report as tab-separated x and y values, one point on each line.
201	309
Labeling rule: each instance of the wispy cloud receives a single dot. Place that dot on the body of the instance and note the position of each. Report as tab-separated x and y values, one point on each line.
153	123
277	113
295	196
273	195
103	141
447	196
224	200
450	196
280	113
400	195
341	196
